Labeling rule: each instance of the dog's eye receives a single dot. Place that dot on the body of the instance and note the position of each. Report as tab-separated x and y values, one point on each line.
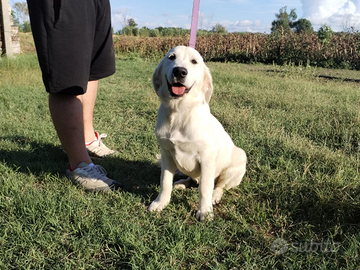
194	61
172	56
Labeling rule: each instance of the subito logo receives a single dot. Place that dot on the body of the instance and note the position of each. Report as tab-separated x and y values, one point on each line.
279	246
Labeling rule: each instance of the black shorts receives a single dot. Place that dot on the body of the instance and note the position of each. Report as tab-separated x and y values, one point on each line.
73	41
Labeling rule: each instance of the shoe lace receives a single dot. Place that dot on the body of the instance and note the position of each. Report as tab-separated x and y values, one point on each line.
99	144
96	171
103	135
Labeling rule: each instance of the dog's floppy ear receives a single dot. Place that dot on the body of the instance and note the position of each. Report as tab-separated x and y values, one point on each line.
156	77
207	84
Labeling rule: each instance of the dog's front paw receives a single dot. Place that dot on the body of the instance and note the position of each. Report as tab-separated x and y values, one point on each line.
157	206
206	215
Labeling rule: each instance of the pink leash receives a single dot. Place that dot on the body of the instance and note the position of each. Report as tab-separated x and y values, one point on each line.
194	22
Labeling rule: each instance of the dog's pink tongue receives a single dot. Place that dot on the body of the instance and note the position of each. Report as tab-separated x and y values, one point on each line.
178	90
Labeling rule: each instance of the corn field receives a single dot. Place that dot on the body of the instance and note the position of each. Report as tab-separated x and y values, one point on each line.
343	50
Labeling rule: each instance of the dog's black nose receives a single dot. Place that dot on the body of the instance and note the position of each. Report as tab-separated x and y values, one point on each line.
180	72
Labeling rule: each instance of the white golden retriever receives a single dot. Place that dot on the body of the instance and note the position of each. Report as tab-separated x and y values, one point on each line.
190	137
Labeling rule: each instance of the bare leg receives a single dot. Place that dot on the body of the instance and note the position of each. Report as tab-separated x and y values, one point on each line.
88	103
73	120
67	115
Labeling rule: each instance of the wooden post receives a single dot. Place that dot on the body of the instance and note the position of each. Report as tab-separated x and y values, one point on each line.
1	31
6	28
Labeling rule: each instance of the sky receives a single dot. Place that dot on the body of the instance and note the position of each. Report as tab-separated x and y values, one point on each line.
236	15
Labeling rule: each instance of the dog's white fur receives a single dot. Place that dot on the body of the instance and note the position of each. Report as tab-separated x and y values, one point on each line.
190	137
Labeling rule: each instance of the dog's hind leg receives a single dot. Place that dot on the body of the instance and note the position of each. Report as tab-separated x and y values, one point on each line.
185	183
232	176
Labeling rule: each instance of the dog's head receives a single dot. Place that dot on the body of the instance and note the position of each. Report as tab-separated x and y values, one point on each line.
182	74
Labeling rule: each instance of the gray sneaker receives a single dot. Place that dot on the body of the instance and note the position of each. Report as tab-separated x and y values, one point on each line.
98	149
92	178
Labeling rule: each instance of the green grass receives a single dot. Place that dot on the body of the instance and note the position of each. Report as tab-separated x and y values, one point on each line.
302	185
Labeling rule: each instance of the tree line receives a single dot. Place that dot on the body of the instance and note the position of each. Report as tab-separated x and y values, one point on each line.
285	22
131	29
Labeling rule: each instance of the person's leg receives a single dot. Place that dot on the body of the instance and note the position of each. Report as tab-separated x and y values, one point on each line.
67	115
93	141
88	103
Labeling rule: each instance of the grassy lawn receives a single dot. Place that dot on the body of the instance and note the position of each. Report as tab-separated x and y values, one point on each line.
302	188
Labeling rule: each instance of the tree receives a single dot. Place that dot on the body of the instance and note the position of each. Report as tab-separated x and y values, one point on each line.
218	28
303	25
130	28
160	28
144	32
15	18
21	11
205	21
21	16
350	23
285	21
325	33
155	32
127	31
25	27
131	23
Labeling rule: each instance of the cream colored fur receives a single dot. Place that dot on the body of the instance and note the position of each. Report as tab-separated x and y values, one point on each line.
190	137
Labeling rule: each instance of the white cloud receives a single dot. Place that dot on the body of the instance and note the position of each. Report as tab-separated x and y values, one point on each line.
339	14
246	26
170	23
243	23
